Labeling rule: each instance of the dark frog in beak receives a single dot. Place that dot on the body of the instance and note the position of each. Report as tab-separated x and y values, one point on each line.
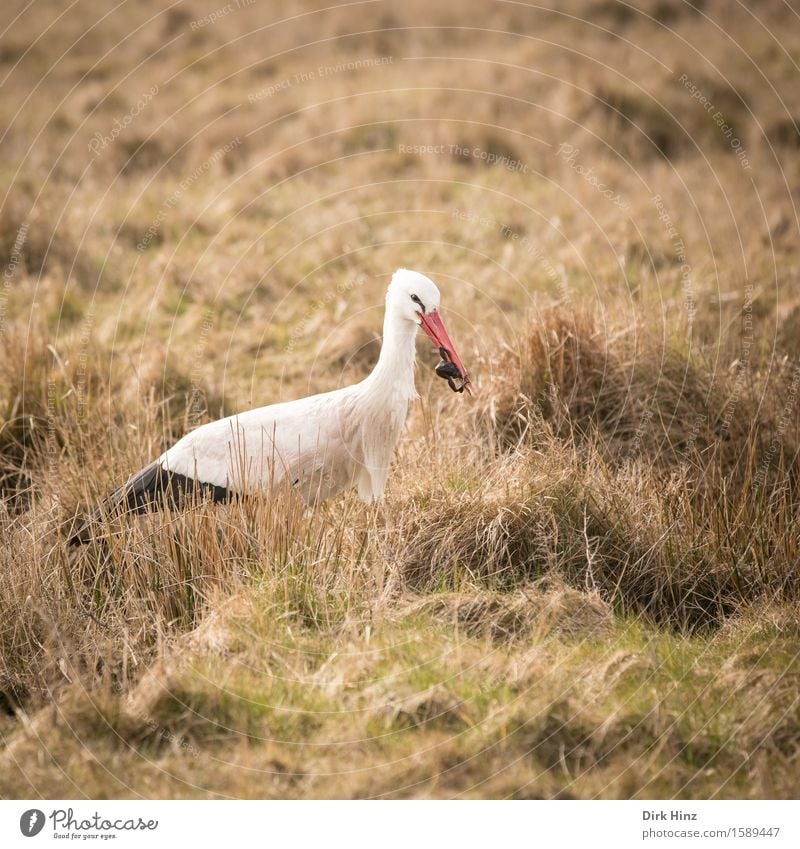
451	368
449	371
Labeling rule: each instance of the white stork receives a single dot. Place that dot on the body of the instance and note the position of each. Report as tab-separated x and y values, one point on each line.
320	445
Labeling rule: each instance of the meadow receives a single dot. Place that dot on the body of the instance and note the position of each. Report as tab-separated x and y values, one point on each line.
583	581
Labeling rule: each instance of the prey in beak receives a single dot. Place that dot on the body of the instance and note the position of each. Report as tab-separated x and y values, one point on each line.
451	368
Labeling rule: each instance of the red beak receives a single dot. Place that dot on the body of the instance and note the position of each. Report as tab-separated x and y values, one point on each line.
432	325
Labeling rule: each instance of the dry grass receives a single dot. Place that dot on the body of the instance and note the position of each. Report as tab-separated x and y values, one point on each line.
583	582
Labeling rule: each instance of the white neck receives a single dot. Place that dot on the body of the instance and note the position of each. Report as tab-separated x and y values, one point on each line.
384	397
393	374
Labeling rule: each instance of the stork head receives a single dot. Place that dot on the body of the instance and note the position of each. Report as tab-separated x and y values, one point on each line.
414	297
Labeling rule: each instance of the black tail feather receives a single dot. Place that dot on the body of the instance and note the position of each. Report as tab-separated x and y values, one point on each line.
153	487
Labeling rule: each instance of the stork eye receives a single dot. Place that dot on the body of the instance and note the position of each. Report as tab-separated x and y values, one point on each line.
416	300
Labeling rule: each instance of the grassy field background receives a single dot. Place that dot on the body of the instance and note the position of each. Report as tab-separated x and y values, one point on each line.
584	581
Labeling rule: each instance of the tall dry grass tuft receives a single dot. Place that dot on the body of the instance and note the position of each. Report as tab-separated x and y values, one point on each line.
618	471
634	394
101	613
68	431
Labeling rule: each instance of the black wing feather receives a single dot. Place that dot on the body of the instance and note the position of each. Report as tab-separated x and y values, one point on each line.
152	487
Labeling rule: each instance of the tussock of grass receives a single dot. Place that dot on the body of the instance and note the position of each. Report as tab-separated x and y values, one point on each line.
581	718
634	393
583	581
534	609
